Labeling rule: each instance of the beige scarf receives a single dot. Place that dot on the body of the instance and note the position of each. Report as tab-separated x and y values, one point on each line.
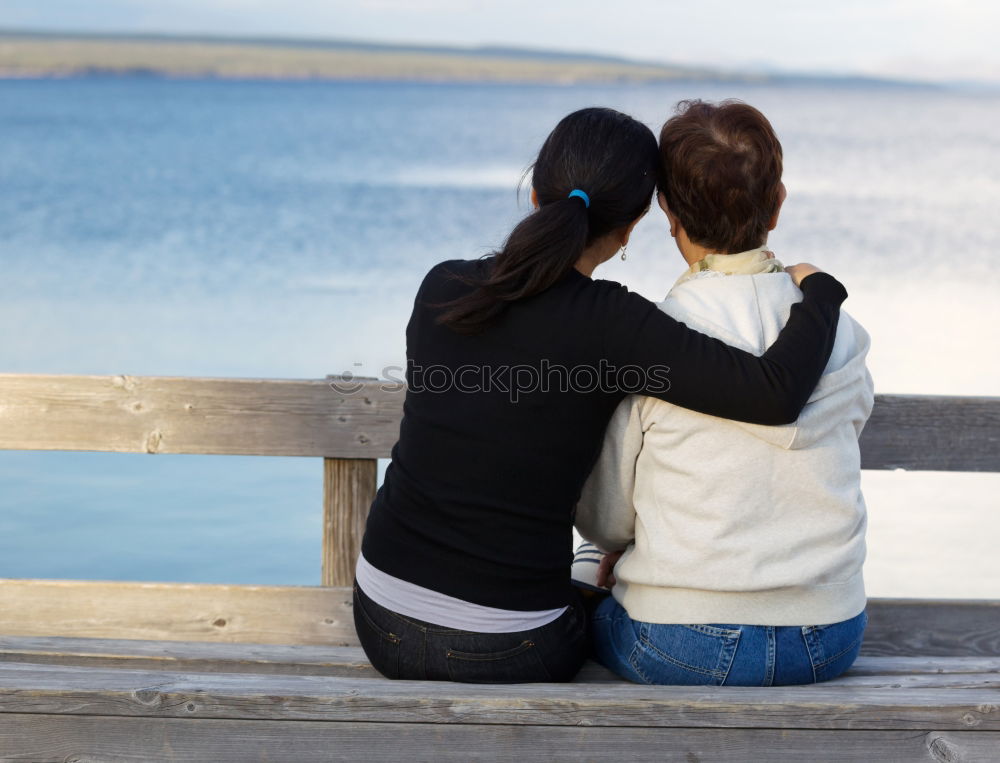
760	260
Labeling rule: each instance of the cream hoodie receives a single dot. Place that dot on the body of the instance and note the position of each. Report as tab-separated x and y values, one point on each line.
726	522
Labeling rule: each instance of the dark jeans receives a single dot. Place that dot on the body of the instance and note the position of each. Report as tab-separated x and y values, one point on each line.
404	647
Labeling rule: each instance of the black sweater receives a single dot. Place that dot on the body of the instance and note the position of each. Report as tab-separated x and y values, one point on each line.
501	429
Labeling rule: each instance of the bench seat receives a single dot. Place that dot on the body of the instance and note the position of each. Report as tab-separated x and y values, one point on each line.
103	699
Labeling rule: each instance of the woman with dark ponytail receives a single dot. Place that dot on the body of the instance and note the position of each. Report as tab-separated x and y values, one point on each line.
515	364
549	243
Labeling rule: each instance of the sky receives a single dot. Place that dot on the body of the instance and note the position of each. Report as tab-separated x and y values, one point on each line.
911	39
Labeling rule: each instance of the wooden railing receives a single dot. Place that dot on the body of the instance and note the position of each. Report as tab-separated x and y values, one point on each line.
348	425
238	417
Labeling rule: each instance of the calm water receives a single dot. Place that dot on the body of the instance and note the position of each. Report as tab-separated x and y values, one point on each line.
280	229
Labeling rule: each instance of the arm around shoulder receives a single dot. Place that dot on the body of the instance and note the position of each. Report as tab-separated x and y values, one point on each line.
706	375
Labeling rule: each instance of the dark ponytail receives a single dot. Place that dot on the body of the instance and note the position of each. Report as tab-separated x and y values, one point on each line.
609	156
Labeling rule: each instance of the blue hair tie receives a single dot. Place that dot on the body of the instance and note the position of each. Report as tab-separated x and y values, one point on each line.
580	194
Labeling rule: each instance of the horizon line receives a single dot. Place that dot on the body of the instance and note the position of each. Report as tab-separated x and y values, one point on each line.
506	51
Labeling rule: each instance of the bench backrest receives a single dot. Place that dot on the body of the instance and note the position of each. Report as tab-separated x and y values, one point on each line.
359	419
349	424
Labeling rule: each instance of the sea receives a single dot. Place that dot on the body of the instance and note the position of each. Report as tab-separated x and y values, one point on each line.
279	230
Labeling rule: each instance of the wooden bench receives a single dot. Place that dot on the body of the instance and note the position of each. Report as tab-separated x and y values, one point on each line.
137	671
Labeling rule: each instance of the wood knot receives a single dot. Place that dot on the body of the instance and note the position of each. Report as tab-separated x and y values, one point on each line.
220	623
150	697
153	441
124	382
940	750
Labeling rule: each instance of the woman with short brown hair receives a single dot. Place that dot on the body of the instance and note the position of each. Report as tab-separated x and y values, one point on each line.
743	545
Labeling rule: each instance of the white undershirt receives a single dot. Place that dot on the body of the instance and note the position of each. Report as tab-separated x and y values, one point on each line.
440	609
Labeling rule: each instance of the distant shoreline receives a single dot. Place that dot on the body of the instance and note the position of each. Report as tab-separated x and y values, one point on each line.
30	55
36	55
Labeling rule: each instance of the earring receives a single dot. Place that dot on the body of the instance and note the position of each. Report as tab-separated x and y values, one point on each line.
623	252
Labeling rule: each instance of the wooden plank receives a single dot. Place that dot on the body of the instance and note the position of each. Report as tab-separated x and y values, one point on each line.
177	612
60	738
152	414
889	666
194	656
904	672
933	433
987	680
197	656
348	491
200	656
863	675
323	616
70	690
360	419
932	627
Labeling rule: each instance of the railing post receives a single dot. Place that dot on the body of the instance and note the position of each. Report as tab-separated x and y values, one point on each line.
348	491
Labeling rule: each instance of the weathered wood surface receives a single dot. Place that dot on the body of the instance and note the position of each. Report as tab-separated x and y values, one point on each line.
200	657
932	627
360	419
177	611
324	617
348	490
204	657
61	689
933	433
153	414
82	739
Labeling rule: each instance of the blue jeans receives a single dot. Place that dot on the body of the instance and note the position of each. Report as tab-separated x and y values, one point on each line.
400	646
723	655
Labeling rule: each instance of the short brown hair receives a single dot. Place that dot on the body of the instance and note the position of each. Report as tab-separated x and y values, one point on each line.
721	173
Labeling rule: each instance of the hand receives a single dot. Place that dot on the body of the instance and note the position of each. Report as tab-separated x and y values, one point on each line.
801	271
605	571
